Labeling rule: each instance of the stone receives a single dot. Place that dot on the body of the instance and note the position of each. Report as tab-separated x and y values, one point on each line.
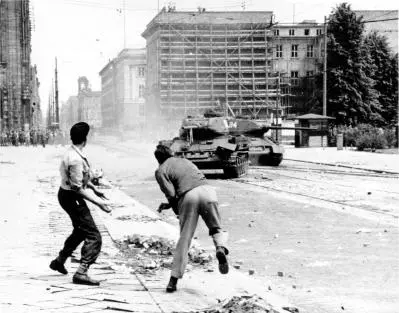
237	266
280	274
251	272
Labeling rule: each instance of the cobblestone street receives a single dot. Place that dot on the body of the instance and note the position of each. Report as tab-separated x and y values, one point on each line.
33	230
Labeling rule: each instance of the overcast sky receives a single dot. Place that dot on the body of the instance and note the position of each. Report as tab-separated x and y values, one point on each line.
85	34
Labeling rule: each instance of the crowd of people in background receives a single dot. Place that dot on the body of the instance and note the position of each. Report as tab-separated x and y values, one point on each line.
33	137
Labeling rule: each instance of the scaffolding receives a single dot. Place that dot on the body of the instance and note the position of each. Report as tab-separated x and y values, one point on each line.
201	65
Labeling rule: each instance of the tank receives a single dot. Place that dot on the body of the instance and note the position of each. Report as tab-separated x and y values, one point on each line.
263	150
208	142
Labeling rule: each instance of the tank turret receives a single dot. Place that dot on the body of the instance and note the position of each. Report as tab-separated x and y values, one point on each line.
208	142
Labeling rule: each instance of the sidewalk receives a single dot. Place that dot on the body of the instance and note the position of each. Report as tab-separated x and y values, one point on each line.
34	228
348	158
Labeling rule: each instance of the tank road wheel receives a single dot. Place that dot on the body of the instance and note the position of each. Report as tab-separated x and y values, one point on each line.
275	159
239	169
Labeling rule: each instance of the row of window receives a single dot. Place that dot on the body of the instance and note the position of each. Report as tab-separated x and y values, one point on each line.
291	32
295	76
294	51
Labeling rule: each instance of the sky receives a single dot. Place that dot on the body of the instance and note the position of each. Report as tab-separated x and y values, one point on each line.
85	34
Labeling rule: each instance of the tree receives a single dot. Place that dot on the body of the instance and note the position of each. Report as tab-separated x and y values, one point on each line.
385	76
352	97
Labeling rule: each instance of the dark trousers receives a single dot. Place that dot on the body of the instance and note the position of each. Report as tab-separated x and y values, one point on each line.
84	228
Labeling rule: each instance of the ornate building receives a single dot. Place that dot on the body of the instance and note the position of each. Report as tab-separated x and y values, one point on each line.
19	100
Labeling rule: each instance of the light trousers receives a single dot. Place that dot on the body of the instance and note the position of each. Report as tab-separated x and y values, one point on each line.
200	201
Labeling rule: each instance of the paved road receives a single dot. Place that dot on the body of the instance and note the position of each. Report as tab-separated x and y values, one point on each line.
331	235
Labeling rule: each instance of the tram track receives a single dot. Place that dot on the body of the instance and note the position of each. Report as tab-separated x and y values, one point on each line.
341	203
319	181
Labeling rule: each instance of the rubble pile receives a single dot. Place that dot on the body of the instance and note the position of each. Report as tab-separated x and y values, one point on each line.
137	218
150	245
147	254
242	304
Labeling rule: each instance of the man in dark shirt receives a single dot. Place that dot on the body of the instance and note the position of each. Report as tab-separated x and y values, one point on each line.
190	196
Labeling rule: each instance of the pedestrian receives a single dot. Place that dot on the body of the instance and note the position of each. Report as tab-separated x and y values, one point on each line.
75	178
190	196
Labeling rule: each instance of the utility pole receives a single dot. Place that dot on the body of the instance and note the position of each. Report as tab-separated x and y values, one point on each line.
278	99
57	111
325	68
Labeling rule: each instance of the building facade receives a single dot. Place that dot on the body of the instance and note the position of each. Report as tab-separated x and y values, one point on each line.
297	58
89	104
17	76
84	107
242	61
69	113
122	90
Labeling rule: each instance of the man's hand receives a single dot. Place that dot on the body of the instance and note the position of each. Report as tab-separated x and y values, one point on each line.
105	206
163	206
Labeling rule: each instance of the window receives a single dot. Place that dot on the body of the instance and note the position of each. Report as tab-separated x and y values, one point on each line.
291	32
141	91
307	32
309	73
279	51
318	32
294	51
309	51
276	32
141	71
294	78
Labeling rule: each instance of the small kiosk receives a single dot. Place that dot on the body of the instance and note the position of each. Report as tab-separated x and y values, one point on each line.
317	137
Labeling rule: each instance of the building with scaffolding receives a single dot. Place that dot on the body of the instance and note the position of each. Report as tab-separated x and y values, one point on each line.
18	78
240	60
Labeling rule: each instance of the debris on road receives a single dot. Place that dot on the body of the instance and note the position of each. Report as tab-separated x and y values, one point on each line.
138	218
242	304
151	253
251	272
280	274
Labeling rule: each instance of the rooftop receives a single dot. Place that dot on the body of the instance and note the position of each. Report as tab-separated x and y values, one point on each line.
312	116
214	17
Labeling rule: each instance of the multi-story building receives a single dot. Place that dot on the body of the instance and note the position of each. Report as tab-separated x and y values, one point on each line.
297	57
122	90
84	107
69	113
89	104
15	65
198	60
241	60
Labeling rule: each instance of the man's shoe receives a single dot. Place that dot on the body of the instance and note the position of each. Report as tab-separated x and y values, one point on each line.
56	265
222	259
172	285
84	279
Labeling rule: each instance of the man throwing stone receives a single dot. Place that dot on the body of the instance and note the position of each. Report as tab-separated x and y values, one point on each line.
75	179
190	196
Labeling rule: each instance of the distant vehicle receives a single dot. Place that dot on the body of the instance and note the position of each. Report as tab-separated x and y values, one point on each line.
208	143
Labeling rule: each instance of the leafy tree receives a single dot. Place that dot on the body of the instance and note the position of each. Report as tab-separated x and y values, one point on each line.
385	76
352	97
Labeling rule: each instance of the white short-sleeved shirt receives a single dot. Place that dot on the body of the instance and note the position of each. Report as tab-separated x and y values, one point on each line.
74	169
